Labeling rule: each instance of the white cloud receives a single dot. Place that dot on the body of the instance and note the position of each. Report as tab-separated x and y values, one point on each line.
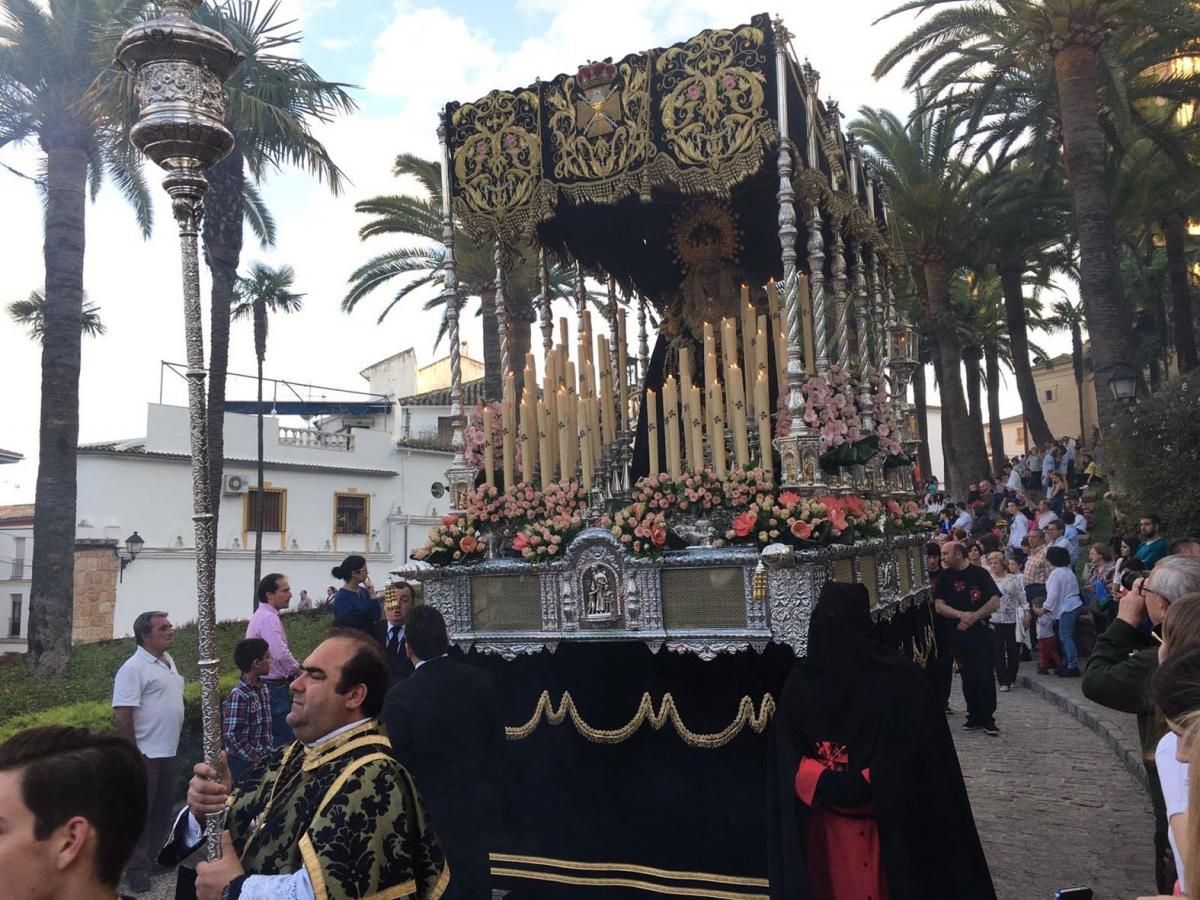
337	44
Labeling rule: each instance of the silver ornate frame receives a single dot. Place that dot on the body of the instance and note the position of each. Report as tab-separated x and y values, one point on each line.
794	580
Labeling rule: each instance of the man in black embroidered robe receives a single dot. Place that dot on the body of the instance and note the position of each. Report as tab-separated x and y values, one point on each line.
331	816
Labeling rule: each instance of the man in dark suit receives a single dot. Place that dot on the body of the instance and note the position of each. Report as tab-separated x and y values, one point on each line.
445	728
398	600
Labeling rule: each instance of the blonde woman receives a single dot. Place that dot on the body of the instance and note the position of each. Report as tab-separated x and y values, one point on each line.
1005	619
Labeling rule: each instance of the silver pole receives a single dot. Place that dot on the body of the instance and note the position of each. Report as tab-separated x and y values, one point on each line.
502	316
179	68
460	476
816	240
838	251
799	451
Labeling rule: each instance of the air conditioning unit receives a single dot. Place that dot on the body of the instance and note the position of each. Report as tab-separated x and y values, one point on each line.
234	484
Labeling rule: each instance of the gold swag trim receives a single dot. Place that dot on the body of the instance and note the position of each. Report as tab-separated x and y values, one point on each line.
667	712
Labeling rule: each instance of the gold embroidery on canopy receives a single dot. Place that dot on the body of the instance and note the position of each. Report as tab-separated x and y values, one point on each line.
498	163
657	718
599	124
713	110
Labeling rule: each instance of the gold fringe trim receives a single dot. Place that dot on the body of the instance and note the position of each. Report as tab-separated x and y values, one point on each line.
672	874
633	883
667	712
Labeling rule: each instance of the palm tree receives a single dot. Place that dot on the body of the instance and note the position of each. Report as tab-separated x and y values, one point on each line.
275	98
264	291
32	314
420	263
1023	217
1068	316
929	186
51	51
994	53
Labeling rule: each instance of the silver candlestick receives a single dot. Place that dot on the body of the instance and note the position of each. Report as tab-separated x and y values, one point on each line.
179	69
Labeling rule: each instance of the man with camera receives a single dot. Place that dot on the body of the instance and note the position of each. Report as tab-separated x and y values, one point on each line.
1119	669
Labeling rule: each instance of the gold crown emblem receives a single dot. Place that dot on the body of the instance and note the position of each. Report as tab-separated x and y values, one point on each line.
596	74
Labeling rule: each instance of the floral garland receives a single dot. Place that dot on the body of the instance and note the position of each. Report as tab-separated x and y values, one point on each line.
805	522
456	540
887	424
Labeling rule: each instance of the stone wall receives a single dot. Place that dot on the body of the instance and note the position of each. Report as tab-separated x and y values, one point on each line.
96	571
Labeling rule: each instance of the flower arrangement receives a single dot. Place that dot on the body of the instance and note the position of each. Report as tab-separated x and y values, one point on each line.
473	438
907	518
805	522
640	527
456	540
831	407
546	537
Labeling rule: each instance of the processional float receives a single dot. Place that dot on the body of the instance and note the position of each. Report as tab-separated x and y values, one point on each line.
694	498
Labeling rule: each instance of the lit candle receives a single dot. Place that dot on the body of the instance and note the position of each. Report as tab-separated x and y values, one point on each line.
671	422
737	402
606	414
729	352
779	329
489	461
762	390
749	356
695	424
685	387
528	431
508	419
573	423
585	442
652	431
806	324
564	440
546	471
716	437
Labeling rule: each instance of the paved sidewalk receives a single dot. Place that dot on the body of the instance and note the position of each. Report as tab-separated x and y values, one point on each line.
1117	729
1054	806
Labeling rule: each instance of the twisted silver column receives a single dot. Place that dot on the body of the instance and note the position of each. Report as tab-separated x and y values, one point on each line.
502	317
544	303
643	340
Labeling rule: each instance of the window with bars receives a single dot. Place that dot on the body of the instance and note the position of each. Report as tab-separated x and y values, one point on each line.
351	514
18	566
14	620
274	504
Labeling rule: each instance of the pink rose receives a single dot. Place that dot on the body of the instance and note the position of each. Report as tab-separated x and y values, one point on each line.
837	518
658	534
468	544
800	529
744	524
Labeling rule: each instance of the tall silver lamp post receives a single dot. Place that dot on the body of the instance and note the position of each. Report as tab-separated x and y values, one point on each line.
179	68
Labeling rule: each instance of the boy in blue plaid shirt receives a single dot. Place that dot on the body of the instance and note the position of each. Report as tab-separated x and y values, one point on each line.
247	728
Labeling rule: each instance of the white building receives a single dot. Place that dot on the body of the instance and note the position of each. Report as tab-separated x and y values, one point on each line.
365	477
16	551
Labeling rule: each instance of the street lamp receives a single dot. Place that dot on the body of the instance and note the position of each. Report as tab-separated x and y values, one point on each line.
133	546
179	69
1123	383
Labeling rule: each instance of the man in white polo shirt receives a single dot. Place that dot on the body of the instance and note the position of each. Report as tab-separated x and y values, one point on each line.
148	703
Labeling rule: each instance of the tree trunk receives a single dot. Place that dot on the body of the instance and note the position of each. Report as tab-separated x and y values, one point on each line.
260	346
963	440
1014	318
995	430
52	594
1161	328
1077	366
921	402
222	232
972	357
492	382
1084	148
1175	231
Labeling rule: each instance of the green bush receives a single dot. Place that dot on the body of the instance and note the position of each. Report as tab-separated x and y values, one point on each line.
87	684
1153	455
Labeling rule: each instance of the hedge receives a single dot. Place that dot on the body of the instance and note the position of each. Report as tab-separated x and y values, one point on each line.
1153	453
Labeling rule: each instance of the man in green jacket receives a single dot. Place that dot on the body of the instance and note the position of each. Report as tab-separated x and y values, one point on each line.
1118	676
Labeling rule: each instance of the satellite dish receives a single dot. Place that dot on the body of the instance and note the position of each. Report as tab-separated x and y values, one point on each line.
438	490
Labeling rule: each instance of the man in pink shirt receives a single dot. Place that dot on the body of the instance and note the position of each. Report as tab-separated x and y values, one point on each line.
274	595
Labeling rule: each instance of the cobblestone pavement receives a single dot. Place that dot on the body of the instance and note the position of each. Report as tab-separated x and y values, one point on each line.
1054	806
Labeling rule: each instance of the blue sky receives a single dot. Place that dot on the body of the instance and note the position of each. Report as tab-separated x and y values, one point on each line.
407	59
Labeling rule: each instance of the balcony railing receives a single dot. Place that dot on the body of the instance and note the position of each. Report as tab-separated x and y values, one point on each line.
316	439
